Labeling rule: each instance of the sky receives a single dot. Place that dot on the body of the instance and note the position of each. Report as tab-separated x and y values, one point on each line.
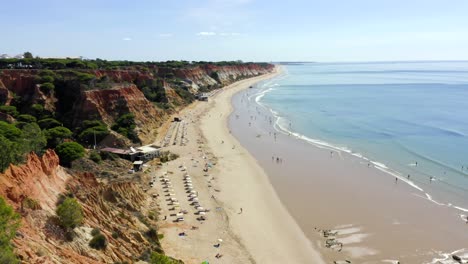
248	30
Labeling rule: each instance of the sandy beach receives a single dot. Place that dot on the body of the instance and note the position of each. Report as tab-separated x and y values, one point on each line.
245	222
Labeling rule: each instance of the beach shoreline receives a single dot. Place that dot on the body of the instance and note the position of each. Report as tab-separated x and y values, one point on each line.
377	218
247	222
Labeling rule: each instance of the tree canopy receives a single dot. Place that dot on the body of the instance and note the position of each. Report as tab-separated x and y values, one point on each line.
69	151
70	213
9	223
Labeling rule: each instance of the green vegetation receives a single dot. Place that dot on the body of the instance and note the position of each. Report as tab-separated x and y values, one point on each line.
157	258
90	129
57	135
166	156
187	96
9	223
69	151
72	63
215	76
70	213
15	142
98	242
125	125
48	123
26	118
154	91
37	110
94	156
9	110
27	55
34	138
30	204
47	87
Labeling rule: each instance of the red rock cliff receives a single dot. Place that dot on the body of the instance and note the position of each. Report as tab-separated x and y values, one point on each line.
40	178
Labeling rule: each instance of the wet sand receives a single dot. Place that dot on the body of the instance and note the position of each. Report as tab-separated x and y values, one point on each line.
378	219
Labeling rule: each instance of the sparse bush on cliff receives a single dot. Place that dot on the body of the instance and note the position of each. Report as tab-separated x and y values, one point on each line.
187	96
215	76
98	242
9	223
69	151
94	156
70	213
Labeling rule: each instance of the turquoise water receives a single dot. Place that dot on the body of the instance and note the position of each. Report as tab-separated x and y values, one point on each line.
395	114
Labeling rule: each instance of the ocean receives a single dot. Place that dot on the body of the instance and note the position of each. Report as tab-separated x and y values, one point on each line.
409	119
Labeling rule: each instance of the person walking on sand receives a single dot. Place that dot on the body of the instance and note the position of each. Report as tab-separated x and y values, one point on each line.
240	211
396	180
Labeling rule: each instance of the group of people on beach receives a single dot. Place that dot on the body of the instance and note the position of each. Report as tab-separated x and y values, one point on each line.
278	159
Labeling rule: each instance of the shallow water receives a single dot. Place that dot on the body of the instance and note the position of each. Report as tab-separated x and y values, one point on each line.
348	183
395	113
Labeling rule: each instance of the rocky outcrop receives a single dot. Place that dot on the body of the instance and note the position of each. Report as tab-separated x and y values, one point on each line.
40	179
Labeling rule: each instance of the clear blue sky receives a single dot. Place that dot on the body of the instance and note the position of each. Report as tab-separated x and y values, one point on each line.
251	30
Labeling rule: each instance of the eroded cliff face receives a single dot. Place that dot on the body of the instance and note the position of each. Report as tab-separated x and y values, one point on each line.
203	76
111	93
22	83
33	189
107	105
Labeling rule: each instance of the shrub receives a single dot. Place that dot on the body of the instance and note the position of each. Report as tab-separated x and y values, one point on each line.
69	151
152	234
95	231
94	156
37	109
157	258
31	204
9	223
56	135
9	109
70	213
33	138
98	242
108	156
9	131
47	79
27	118
48	123
115	235
47	87
87	135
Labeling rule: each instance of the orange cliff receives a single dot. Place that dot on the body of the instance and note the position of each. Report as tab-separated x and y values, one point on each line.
40	179
109	104
110	207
